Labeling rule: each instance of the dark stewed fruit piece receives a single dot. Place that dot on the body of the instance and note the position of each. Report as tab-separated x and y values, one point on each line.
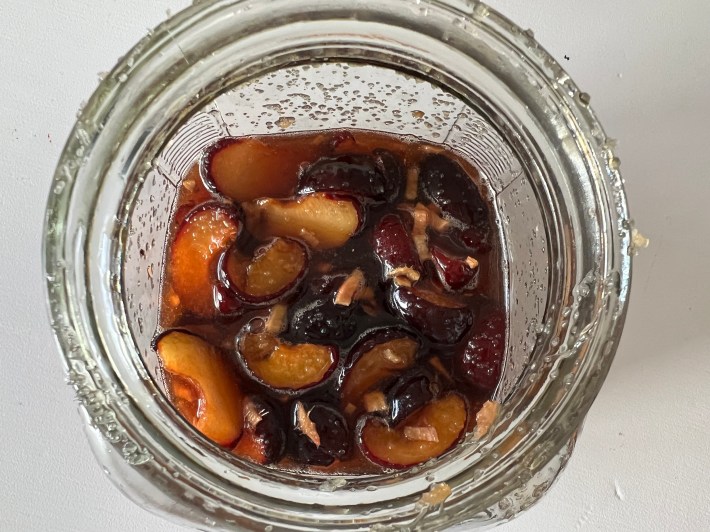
444	182
409	393
439	317
395	248
321	319
318	318
479	362
455	272
263	439
319	434
376	177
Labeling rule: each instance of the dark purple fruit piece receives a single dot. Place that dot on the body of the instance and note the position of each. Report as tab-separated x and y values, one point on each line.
437	316
480	360
319	434
322	320
348	174
392	171
445	183
263	439
394	246
455	273
409	393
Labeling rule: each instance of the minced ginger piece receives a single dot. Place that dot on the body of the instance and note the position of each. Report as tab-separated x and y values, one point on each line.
471	262
351	288
305	425
276	322
421	217
436	222
437	494
375	402
404	276
485	418
410	192
252	417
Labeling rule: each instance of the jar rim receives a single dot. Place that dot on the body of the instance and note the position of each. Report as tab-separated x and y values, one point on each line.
90	367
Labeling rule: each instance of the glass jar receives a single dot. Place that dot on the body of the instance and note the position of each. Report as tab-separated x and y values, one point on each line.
449	71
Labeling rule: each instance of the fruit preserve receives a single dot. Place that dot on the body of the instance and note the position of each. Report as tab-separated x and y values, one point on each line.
332	301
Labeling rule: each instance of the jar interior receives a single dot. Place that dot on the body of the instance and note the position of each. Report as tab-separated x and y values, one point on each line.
335	95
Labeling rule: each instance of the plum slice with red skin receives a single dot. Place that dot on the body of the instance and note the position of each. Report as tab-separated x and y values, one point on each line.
394	247
480	360
276	269
284	366
200	240
263	439
455	272
426	434
321	220
245	169
319	434
439	317
380	355
202	386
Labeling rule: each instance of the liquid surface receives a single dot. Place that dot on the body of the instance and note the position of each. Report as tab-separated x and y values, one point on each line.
331	301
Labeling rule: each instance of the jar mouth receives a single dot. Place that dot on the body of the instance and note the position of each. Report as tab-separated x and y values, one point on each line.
542	115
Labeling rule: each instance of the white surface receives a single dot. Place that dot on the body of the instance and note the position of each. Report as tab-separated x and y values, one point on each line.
643	458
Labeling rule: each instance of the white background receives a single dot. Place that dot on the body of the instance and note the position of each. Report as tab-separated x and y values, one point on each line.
643	459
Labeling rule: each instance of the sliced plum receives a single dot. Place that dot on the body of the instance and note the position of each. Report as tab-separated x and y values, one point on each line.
379	356
480	360
354	174
321	220
445	183
320	434
283	366
455	272
202	237
395	249
264	437
426	434
202	386
245	169
275	270
439	317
